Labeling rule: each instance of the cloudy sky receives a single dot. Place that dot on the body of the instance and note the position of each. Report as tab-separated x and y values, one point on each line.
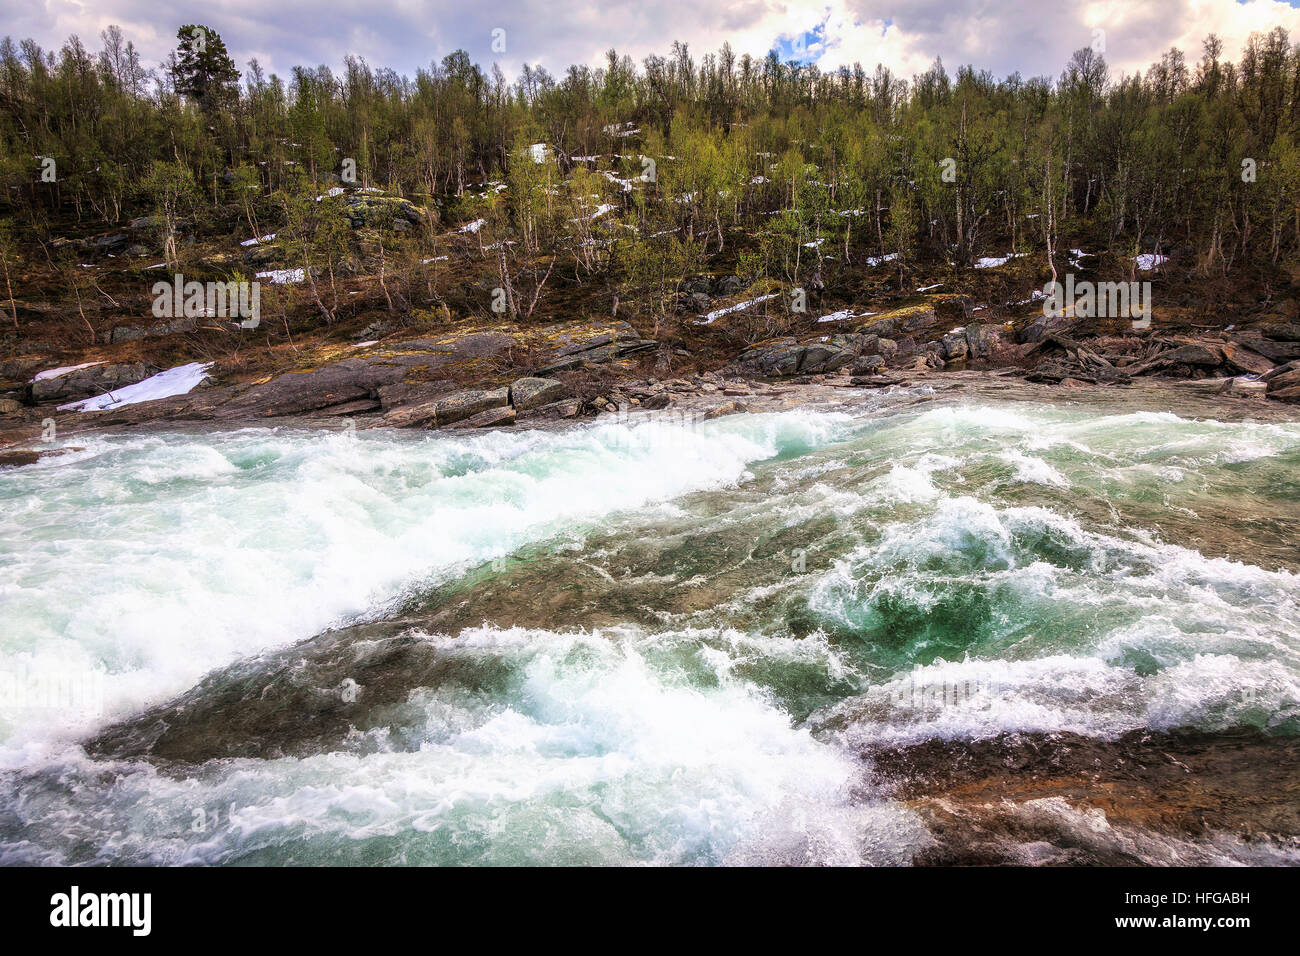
1034	37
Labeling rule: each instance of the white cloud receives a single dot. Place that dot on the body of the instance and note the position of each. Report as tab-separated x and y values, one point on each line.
1029	36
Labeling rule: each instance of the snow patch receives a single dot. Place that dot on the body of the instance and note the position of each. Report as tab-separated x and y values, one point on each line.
282	276
56	372
992	262
738	307
174	381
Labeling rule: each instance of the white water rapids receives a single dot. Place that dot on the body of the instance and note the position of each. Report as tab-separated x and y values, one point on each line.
1048	555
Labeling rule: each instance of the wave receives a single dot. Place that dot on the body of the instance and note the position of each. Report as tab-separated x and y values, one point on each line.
610	747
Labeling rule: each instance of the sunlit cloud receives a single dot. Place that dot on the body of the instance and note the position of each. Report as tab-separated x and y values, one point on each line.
1025	36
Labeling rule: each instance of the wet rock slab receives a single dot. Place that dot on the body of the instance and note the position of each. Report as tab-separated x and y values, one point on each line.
993	801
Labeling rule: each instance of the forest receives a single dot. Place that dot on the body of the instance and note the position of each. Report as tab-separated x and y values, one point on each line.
621	182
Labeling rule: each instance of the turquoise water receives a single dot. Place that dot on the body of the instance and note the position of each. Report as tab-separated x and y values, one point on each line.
649	641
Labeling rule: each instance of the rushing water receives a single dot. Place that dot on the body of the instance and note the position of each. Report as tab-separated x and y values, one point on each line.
642	641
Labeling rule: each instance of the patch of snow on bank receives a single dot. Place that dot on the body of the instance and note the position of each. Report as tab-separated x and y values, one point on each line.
992	262
843	315
56	372
174	381
738	307
282	276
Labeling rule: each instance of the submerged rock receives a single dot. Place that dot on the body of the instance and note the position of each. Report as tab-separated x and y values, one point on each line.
991	801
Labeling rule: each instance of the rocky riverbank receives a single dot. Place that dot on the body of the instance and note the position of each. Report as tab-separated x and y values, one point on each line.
506	375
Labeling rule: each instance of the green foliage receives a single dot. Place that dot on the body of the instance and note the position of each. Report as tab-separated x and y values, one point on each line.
772	155
203	70
170	190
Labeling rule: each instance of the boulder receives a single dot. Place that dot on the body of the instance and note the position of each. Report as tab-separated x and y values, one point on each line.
574	345
787	356
1274	349
569	408
696	302
467	404
367	210
404	393
109	242
981	341
1284	381
420	415
16	459
526	393
819	358
1282	331
1280	370
1246	360
488	419
868	365
1195	354
86	382
953	346
855	342
909	319
726	408
779	356
17	372
870	344
448	409
130	333
294	393
876	381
